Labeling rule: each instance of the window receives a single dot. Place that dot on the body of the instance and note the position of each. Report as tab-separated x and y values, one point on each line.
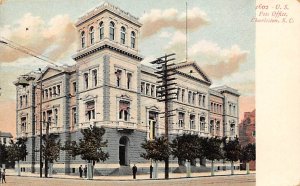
74	121
147	89
46	93
123	30
101	30
232	129
92	35
55	116
189	97
26	100
132	39
192	122
23	124
229	109
21	101
86	80
118	77
124	107
182	95
129	76
54	91
152	124
233	112
203	101
90	110
211	106
94	72
58	89
82	39
180	119
74	87
218	128
212	127
112	30
50	92
202	123
142	87
152	91
194	98
178	92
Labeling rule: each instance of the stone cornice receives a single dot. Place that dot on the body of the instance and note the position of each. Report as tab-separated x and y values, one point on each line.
105	45
111	8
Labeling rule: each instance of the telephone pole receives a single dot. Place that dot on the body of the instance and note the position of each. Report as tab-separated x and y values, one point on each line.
165	93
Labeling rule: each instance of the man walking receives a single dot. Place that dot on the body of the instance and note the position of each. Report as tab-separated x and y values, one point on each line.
85	171
80	171
3	176
134	170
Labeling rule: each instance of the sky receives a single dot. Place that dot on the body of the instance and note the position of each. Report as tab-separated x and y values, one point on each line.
221	40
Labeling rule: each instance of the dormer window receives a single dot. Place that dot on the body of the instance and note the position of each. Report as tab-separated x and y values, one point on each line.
112	30
101	30
92	36
82	39
132	39
123	30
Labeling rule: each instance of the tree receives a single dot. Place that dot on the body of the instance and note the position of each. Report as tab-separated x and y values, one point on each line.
90	147
248	153
51	148
157	150
212	150
186	147
3	154
17	151
232	149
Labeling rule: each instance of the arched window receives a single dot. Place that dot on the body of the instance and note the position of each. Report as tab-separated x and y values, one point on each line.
132	39
92	36
123	30
82	39
112	30
101	30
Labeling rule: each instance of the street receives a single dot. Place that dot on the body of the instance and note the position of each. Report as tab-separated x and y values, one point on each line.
236	180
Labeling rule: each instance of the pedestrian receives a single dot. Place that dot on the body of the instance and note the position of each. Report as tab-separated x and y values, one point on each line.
151	170
85	171
3	176
80	171
134	170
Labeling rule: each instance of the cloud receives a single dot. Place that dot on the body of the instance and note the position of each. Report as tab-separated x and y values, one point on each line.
53	39
177	45
156	20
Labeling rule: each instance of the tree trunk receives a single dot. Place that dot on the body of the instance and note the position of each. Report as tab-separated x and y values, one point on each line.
155	170
212	168
18	168
188	169
247	168
89	171
232	168
50	170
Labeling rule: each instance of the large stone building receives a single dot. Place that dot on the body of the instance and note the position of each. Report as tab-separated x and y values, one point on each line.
110	87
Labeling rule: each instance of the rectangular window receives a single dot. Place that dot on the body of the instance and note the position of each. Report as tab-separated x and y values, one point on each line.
58	90
86	80
194	98
74	87
203	101
182	95
189	97
192	122
94	72
218	128
50	92
152	124
180	119
152	91
23	124
26	100
90	110
142	87
74	121
118	77
147	89
21	101
124	107
129	76
202	123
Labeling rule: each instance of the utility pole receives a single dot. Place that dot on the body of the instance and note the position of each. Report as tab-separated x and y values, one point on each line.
165	93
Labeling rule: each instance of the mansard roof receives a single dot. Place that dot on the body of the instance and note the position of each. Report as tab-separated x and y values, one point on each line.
111	8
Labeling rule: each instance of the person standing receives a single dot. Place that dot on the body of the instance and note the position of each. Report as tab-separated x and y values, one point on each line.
3	176
80	171
85	171
134	170
151	170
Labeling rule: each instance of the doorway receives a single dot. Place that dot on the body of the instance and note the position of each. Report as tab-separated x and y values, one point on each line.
123	151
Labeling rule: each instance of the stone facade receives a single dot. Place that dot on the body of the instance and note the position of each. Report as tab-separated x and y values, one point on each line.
109	87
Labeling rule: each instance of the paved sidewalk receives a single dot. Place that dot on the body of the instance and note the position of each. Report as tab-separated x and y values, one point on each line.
11	172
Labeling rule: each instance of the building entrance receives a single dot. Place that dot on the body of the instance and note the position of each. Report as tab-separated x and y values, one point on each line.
123	151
